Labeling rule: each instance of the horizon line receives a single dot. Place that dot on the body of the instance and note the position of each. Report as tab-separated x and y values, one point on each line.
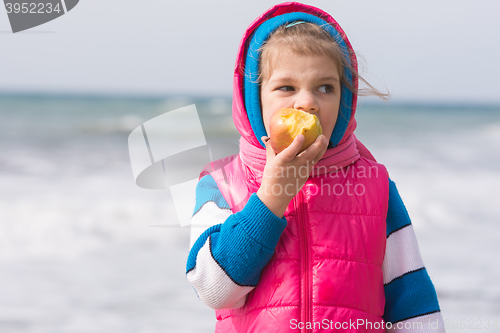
165	96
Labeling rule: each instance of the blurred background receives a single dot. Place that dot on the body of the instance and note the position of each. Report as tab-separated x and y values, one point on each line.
83	249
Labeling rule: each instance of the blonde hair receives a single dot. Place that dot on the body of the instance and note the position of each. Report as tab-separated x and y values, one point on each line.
309	39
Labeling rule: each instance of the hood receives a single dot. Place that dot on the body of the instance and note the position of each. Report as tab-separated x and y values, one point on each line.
246	97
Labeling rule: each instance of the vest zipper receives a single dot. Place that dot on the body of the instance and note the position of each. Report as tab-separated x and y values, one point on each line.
306	290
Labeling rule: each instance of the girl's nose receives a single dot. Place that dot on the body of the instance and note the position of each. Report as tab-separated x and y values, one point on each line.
306	101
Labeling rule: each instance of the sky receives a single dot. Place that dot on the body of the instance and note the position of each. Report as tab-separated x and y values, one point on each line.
421	51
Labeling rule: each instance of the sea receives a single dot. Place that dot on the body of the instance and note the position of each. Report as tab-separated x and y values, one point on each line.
84	249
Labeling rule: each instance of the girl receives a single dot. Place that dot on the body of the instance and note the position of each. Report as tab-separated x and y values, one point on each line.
312	241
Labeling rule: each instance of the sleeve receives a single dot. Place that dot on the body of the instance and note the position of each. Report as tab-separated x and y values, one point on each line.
411	303
227	258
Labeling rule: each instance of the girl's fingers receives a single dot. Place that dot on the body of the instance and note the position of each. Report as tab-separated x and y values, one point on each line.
289	153
269	150
315	149
324	147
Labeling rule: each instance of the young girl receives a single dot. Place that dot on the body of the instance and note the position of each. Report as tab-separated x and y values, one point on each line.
311	241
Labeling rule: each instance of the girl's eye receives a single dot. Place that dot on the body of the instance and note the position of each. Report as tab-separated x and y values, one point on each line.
286	88
326	88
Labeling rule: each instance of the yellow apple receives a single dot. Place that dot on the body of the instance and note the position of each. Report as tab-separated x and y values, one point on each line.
286	123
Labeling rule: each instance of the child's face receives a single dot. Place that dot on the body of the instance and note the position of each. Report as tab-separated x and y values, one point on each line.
307	83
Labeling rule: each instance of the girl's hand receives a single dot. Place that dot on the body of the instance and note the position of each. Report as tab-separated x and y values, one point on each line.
286	173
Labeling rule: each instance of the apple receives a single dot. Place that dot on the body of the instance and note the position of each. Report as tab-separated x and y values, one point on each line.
286	123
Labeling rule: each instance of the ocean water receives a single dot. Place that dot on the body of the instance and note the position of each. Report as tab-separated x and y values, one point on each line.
84	249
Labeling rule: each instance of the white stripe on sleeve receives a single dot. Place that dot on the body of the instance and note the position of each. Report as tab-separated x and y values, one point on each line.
213	285
208	215
401	254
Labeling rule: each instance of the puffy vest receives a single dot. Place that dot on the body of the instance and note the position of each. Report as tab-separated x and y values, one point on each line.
326	272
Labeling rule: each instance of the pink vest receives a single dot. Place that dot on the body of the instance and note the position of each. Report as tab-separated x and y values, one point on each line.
326	272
